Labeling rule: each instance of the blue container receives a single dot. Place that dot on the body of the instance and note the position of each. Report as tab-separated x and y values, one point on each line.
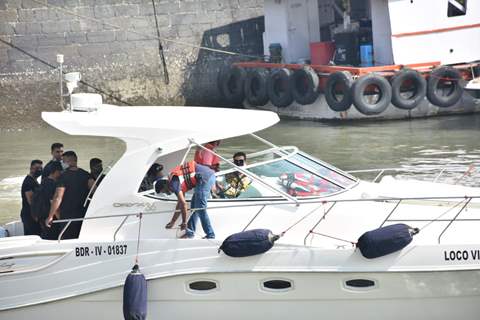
366	55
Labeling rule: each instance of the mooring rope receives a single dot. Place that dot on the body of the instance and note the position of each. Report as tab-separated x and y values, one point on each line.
444	213
140	215
166	78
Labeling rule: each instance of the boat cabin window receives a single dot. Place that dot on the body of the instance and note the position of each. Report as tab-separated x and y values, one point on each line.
457	8
267	174
290	176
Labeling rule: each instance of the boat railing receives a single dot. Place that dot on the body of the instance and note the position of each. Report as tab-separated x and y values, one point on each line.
462	201
379	173
104	172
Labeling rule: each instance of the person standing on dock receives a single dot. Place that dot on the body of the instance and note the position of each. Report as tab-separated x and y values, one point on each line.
29	185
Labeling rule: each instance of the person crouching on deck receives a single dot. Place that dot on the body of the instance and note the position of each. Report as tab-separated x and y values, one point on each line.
183	178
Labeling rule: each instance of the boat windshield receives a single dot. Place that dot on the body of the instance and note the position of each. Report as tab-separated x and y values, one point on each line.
294	173
272	173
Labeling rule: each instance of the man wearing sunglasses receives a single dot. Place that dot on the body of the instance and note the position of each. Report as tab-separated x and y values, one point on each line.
237	182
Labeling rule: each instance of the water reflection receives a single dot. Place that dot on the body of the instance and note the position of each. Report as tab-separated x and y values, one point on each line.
422	146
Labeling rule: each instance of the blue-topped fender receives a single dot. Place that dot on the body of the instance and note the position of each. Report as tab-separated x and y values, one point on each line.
382	241
248	243
135	296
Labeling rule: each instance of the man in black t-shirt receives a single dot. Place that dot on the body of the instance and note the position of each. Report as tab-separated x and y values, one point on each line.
57	153
47	191
96	173
70	194
30	226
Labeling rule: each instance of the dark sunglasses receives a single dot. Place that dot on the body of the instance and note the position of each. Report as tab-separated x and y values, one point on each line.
239	162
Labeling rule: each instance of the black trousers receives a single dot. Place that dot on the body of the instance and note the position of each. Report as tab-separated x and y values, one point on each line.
73	230
30	226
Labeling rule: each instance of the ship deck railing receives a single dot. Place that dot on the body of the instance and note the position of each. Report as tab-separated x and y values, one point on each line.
460	202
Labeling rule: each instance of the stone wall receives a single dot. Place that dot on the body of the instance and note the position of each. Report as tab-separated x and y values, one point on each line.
113	44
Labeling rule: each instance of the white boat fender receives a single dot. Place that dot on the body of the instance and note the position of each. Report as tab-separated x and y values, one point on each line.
248	243
360	92
418	85
382	241
135	295
438	97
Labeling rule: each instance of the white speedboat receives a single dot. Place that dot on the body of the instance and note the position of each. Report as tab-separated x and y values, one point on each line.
473	88
313	271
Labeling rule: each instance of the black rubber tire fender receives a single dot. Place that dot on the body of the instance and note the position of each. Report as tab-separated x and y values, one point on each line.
385	92
279	88
344	79
420	91
256	87
305	85
433	80
232	84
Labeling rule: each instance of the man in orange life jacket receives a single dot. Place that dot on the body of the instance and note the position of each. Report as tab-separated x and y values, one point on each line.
190	175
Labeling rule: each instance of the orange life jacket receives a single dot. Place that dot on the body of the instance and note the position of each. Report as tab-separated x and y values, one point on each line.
186	175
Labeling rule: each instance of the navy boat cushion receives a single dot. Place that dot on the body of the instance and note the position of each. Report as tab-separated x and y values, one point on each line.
385	240
248	243
135	296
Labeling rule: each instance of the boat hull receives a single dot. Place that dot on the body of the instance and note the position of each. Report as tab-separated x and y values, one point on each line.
420	295
319	110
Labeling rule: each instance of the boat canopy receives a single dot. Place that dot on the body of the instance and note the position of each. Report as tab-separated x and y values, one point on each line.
152	125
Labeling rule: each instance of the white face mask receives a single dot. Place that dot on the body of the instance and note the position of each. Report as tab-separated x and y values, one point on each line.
64	165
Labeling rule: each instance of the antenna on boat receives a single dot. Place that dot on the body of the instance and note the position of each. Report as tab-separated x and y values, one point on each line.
71	79
60	71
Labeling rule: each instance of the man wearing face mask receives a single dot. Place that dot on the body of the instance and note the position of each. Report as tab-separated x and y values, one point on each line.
96	173
42	199
70	194
30	183
57	153
237	182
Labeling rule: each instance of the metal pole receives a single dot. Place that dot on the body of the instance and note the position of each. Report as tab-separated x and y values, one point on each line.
60	68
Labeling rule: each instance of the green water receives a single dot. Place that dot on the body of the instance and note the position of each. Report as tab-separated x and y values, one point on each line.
431	144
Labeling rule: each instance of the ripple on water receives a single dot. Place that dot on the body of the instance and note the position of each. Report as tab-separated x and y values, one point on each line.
10	188
10	199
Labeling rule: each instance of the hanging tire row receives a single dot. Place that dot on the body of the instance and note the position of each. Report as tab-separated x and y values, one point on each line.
371	94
